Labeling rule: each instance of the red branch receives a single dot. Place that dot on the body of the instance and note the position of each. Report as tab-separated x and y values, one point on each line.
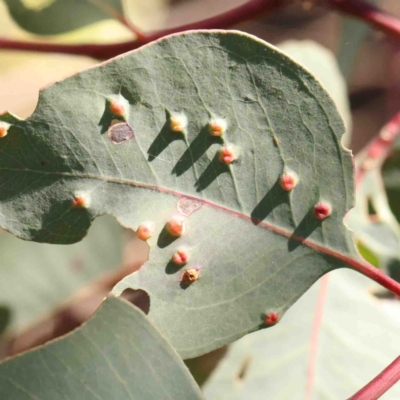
246	11
368	13
381	383
379	148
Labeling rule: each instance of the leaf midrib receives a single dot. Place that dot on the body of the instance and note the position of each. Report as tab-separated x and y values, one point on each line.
270	227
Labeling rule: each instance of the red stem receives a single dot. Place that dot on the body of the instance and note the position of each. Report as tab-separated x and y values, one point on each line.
246	11
381	383
375	274
368	13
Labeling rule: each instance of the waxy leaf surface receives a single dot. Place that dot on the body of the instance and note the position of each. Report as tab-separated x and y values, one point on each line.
333	341
256	247
59	16
117	354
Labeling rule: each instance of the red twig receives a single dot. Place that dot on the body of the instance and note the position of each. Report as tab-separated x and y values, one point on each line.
381	383
376	275
368	13
379	148
313	351
113	13
246	11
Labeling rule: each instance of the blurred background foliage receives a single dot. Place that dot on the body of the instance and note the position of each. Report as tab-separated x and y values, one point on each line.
46	290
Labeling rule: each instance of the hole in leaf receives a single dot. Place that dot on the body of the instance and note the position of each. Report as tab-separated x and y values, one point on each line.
371	208
139	298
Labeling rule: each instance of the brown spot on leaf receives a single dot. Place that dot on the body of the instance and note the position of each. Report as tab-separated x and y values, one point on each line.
120	133
188	206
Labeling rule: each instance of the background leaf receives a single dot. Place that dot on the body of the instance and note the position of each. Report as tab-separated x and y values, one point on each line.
35	278
59	16
373	222
357	338
117	354
258	247
322	63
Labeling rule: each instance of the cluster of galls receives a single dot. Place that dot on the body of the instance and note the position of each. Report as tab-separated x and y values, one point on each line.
175	227
216	127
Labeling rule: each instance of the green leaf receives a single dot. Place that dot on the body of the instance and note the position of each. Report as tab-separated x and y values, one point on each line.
368	254
35	278
257	247
117	354
52	17
345	332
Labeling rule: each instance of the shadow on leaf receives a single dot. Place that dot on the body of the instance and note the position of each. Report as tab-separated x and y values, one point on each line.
213	170
305	228
163	139
273	198
195	150
165	238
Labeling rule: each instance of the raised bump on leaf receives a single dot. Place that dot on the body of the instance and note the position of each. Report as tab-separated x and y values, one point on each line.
180	257
271	318
118	106
176	225
189	276
4	127
228	154
288	181
145	231
322	210
178	122
217	126
81	200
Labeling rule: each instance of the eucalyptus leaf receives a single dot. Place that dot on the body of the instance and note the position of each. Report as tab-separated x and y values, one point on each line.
254	246
320	330
117	354
60	16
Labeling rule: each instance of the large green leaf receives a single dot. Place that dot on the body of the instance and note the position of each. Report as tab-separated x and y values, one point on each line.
50	17
333	341
35	278
258	247
118	354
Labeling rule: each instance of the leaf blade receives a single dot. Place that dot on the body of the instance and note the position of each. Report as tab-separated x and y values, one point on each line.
60	16
278	117
117	354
